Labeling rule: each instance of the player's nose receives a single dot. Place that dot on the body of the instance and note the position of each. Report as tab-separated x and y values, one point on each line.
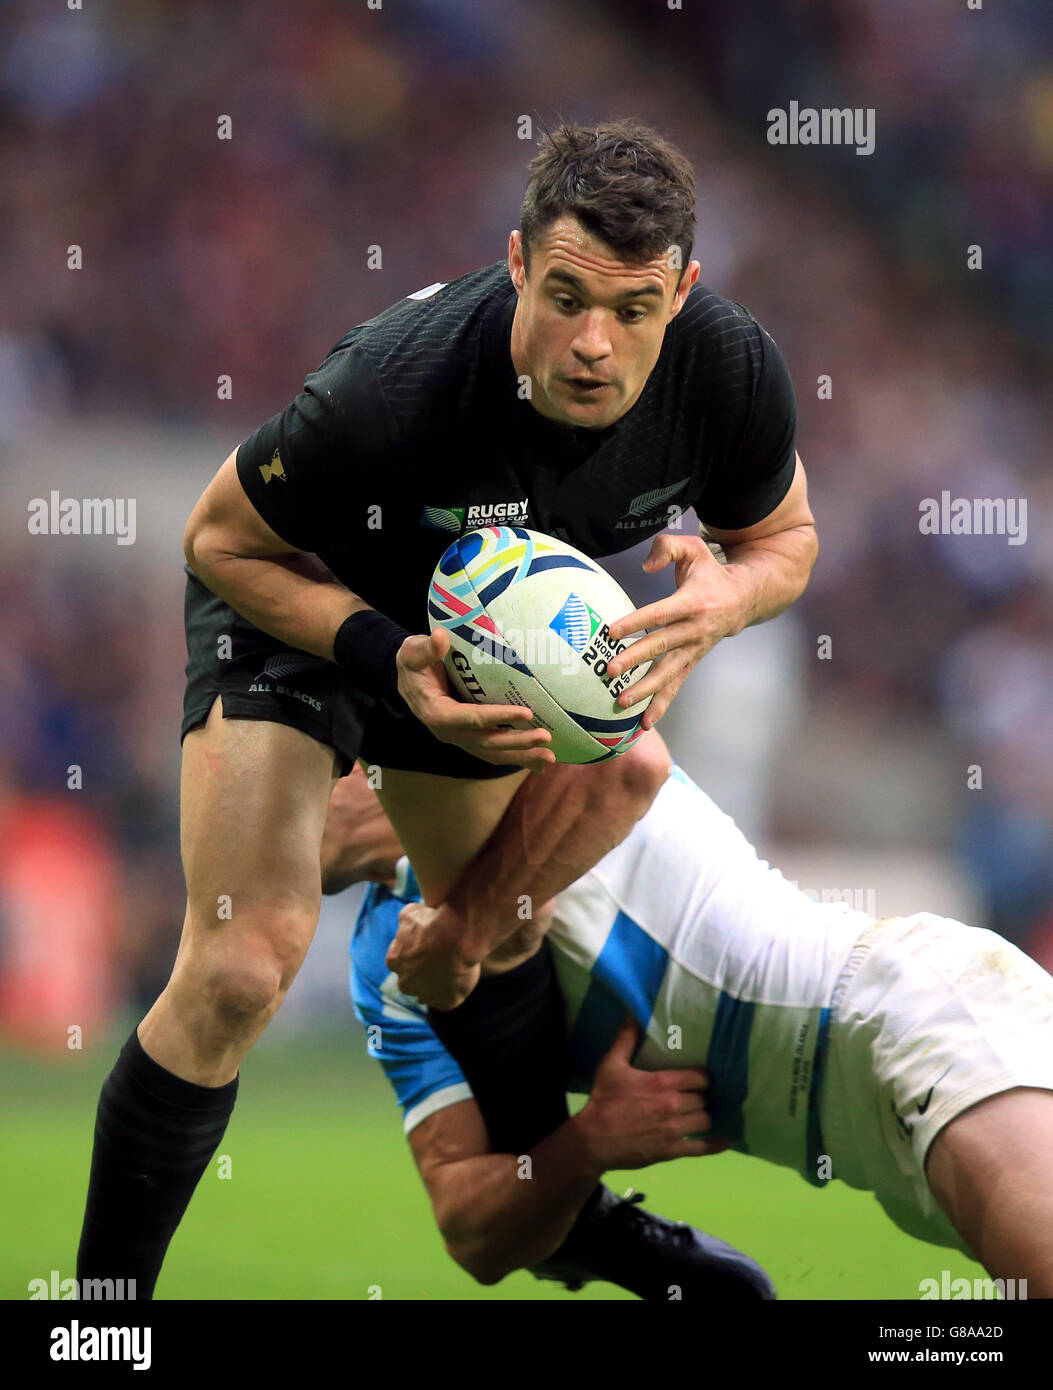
592	342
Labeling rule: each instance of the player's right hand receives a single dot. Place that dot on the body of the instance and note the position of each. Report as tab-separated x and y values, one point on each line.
495	733
634	1118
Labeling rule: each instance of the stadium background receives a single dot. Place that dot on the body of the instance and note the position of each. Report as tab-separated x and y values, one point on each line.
399	128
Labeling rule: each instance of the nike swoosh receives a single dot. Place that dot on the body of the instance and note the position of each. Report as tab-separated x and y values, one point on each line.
923	1105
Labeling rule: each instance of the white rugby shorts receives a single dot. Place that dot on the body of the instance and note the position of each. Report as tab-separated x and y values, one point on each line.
929	1016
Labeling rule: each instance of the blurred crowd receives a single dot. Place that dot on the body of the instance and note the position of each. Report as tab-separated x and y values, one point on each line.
399	130
963	98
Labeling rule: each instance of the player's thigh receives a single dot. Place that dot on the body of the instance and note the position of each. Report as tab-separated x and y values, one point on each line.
991	1170
254	797
443	822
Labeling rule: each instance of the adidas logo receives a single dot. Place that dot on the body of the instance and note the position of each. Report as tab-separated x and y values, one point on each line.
274	469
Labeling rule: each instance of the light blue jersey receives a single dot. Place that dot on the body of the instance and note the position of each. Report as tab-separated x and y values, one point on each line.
722	962
423	1073
837	1045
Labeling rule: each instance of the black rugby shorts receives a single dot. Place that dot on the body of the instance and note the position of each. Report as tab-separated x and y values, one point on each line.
258	677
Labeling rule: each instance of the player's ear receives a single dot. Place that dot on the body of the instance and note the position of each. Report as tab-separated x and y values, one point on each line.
687	280
516	267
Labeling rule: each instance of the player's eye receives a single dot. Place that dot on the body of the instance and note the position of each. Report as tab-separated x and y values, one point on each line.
565	302
633	315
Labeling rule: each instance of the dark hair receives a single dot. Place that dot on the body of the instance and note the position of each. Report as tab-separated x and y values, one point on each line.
623	182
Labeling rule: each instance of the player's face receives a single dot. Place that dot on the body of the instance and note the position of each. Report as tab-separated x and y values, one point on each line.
589	326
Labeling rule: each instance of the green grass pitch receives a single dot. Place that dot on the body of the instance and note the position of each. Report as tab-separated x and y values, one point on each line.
323	1201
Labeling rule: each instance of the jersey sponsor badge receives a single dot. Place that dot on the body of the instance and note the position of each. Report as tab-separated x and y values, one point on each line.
456	520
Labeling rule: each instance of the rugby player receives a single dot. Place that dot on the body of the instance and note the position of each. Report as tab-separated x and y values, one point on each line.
581	389
908	1056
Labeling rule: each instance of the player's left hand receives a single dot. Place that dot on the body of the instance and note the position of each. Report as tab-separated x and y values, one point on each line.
425	955
711	601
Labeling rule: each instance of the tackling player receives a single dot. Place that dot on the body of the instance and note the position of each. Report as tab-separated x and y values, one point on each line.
911	1057
582	388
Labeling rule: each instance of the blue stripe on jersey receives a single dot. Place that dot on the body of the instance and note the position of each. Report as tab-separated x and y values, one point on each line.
814	1134
626	978
415	1062
728	1062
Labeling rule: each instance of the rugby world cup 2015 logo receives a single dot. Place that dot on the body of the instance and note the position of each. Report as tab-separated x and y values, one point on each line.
585	632
449	519
475	515
576	623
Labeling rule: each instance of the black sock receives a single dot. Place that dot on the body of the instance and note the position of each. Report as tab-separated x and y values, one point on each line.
509	1039
154	1137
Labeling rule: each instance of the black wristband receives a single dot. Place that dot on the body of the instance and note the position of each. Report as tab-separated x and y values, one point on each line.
366	645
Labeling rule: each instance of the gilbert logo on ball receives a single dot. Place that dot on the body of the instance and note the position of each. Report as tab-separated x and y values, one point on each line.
529	622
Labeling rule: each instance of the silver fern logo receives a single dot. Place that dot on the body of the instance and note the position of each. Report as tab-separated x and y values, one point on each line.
278	667
641	511
650	501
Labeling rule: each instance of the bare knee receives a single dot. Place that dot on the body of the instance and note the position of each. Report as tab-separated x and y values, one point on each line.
649	764
239	992
243	976
638	776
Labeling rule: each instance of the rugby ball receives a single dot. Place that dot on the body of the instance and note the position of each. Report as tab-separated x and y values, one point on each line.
528	619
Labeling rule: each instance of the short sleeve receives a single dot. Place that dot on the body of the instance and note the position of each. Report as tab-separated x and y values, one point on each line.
757	478
423	1075
309	469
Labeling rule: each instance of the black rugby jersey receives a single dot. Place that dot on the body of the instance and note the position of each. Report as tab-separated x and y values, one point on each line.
416	429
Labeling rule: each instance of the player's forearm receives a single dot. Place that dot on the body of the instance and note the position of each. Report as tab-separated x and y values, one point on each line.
292	597
774	571
560	824
496	1215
